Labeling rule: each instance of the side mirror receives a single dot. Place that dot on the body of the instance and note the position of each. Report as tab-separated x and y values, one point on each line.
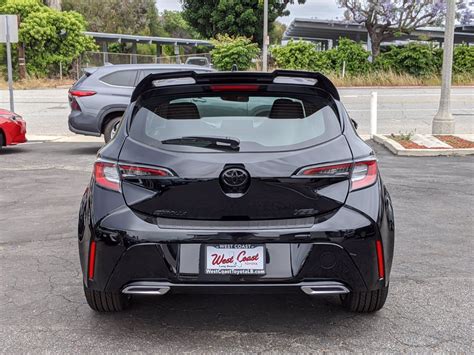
354	123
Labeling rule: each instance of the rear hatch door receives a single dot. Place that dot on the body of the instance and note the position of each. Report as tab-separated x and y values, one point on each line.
235	151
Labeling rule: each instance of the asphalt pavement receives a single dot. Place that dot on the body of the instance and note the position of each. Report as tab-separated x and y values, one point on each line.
429	307
399	109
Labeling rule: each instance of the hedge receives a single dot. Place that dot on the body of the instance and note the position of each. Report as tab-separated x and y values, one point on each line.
415	59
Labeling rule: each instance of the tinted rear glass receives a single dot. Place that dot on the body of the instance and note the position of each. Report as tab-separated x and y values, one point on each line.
121	78
260	122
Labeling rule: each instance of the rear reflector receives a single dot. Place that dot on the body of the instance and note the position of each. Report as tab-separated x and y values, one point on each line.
237	88
364	174
91	264
81	93
381	266
106	175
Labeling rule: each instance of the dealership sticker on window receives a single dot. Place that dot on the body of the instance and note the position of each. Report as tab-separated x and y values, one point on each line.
237	259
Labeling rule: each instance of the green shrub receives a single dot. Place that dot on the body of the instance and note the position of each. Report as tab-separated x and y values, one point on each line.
297	55
304	55
415	59
463	61
353	54
228	51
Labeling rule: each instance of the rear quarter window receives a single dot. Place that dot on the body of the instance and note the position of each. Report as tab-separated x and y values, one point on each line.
120	78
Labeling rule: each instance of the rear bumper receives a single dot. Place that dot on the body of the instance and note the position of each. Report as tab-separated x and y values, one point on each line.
161	288
288	264
81	123
341	249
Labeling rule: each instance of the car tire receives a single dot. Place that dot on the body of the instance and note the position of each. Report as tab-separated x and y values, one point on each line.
109	128
2	140
101	301
365	302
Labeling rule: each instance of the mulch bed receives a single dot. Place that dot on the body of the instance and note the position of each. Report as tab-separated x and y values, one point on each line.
407	144
456	142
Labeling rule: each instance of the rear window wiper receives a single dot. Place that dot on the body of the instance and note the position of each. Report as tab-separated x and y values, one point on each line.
219	143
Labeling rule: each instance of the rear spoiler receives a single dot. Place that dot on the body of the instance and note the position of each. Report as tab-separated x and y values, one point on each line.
290	77
89	71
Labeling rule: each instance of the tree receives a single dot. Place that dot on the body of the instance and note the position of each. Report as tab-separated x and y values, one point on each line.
276	32
232	17
49	36
387	19
174	25
117	16
233	50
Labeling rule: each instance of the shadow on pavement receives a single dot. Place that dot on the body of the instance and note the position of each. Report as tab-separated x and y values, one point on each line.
287	314
13	150
93	149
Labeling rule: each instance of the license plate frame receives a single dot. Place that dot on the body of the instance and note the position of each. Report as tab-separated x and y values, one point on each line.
241	263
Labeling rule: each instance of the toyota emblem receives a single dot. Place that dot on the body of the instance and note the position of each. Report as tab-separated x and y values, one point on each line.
235	177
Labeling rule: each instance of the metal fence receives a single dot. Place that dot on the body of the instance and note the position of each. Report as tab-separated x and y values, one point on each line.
94	59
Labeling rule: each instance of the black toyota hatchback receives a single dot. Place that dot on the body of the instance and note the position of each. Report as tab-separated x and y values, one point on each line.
236	182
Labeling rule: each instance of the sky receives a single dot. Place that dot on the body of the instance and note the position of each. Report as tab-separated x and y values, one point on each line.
321	9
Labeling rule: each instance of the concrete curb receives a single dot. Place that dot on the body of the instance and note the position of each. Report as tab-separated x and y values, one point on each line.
398	149
64	139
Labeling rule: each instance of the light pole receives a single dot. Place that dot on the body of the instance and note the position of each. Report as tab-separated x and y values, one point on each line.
265	37
443	122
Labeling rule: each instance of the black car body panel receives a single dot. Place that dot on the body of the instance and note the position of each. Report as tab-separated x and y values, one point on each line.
273	192
313	229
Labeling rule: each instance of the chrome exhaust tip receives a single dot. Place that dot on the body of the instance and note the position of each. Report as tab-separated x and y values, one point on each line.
325	288
145	290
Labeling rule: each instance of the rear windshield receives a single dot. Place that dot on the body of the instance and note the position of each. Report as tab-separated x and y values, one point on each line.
254	122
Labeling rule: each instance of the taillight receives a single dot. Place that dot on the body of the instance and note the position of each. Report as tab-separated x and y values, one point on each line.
78	93
364	174
74	104
106	175
327	170
133	171
81	93
109	175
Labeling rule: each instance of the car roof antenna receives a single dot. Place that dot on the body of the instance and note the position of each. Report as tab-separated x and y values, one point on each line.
234	67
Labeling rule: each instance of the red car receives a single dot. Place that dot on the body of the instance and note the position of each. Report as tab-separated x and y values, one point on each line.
12	128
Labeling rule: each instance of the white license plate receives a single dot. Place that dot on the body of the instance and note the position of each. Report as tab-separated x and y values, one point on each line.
238	259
